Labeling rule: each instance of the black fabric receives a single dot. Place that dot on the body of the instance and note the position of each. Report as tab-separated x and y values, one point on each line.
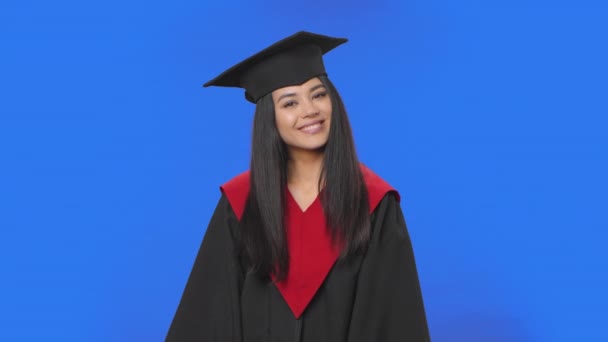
372	297
290	61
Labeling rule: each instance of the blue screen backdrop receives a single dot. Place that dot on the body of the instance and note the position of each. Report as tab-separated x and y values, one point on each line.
489	117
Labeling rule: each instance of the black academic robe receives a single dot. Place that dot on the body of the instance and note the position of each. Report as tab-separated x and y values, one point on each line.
374	297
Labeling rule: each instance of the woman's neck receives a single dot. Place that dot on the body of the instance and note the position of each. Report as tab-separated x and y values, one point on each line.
304	169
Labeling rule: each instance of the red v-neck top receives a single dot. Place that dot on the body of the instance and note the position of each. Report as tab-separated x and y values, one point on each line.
311	251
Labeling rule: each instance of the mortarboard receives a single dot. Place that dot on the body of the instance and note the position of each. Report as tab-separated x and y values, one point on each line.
290	61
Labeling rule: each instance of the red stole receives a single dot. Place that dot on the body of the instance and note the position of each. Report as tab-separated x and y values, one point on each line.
311	252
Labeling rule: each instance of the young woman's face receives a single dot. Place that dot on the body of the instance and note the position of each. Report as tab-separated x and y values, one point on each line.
303	114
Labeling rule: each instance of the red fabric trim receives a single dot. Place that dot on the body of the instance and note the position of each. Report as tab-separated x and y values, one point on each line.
376	188
312	254
237	190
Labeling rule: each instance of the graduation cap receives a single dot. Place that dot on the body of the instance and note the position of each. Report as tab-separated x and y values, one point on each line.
290	61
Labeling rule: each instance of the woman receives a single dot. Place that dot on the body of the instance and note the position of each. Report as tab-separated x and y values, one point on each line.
309	245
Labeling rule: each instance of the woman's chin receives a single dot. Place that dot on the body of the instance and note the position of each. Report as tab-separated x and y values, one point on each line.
308	148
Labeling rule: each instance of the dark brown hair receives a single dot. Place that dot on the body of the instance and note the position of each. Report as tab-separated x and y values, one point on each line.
344	198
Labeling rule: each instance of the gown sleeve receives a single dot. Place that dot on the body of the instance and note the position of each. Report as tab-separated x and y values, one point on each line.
209	309
388	302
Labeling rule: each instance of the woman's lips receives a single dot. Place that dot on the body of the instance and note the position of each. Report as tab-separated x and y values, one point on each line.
313	128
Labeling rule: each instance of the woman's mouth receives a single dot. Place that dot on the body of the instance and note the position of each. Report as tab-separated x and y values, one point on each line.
313	128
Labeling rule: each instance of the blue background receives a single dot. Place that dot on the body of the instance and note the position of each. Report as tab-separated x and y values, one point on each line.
489	117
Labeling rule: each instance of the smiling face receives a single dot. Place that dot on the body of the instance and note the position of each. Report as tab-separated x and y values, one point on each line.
303	115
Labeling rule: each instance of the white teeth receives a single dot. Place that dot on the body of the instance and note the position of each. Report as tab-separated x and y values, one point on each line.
311	127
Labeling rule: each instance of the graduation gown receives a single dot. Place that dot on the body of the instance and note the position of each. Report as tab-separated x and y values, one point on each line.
374	297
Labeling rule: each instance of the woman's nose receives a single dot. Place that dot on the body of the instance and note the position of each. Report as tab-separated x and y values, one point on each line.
309	108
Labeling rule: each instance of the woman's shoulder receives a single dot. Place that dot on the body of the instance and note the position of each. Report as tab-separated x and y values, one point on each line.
239	182
236	191
377	187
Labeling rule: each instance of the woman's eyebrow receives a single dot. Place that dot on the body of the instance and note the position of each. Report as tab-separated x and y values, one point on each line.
317	87
321	85
285	95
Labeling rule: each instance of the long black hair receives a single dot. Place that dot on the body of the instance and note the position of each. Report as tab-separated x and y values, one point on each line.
344	197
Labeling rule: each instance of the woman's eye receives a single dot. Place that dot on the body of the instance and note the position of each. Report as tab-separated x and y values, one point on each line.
319	95
289	104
